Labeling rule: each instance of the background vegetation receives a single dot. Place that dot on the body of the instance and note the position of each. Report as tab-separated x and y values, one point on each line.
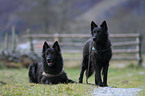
73	16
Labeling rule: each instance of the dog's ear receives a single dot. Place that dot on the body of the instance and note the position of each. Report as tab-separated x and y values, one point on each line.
104	26
45	46
56	46
93	25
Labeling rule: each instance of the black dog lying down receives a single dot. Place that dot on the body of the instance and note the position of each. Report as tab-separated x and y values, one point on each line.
97	54
50	70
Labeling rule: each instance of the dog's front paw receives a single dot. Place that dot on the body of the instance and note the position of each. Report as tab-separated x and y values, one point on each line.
101	85
105	85
80	81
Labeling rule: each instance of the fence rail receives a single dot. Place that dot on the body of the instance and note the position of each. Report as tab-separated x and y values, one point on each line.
136	42
131	35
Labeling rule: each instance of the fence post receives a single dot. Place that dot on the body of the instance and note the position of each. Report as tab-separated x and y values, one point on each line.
138	47
31	41
140	53
6	41
56	37
13	39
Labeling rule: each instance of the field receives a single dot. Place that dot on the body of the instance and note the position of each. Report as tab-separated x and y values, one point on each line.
15	82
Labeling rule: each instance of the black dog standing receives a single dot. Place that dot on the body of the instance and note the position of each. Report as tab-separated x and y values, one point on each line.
97	53
50	70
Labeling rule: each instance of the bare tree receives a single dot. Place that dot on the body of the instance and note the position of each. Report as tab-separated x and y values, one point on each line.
47	16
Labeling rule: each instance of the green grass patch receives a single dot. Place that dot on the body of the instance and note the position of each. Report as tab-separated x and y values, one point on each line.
15	82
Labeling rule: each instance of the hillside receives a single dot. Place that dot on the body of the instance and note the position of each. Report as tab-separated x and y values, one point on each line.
115	11
99	10
122	16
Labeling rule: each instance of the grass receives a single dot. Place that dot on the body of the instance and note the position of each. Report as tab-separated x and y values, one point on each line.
15	82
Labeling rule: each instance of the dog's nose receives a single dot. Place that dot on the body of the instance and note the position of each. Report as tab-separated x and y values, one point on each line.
94	38
48	59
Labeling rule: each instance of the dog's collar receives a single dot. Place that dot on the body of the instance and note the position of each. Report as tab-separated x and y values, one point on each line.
93	49
53	75
97	51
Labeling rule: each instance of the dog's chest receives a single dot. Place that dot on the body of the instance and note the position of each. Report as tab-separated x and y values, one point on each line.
93	51
96	55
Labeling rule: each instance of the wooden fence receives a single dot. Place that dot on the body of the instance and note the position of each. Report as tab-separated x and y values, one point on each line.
125	46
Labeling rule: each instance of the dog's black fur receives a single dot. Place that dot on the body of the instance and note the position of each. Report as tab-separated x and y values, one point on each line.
97	53
50	70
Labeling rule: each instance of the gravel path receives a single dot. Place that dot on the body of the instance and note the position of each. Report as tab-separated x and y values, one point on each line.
108	91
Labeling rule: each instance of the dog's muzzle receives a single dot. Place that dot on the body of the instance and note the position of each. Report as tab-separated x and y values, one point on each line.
94	38
49	61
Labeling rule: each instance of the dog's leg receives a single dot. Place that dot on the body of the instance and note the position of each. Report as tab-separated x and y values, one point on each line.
98	79
96	82
105	72
82	73
83	68
32	73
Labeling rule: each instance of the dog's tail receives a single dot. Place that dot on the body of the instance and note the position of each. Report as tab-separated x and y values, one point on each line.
71	81
32	73
89	73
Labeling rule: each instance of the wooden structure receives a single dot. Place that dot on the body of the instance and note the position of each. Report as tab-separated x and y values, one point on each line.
125	46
